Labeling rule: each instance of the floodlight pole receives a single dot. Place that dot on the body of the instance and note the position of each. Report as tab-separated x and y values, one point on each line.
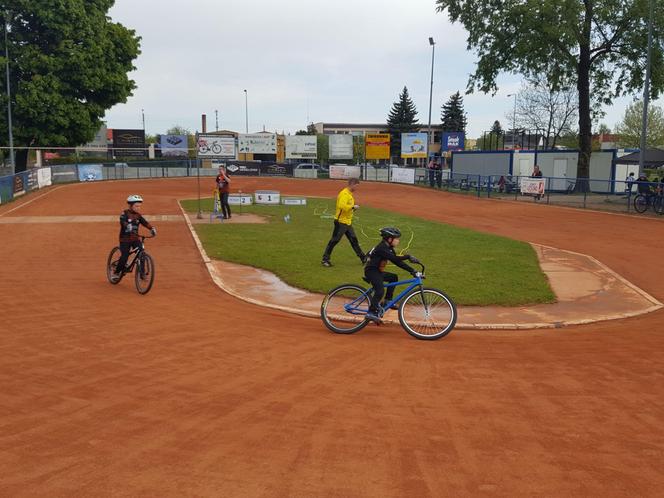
12	157
433	53
646	93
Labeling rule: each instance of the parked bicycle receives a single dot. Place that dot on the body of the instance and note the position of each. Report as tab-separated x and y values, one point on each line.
425	313
139	260
643	201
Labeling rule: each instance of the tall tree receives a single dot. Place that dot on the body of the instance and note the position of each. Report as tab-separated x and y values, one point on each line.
68	65
597	45
629	128
497	128
453	116
543	108
401	119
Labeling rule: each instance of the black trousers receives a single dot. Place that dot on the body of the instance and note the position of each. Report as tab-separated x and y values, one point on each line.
435	177
225	207
125	247
376	278
341	229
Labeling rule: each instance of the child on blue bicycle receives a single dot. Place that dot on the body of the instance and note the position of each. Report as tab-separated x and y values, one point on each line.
375	265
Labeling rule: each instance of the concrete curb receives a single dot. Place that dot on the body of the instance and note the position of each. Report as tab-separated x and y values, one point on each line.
219	282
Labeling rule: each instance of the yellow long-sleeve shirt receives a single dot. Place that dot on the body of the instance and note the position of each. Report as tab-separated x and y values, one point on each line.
345	203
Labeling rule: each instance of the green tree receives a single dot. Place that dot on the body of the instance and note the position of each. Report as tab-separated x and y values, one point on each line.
452	114
604	129
68	65
323	146
629	128
497	129
401	119
598	46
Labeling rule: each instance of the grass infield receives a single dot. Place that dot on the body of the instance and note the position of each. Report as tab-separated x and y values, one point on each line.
472	267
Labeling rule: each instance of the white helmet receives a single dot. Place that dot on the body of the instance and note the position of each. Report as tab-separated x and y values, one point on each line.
134	198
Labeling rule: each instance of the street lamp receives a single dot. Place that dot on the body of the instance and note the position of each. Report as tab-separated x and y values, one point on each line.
433	53
246	112
216	120
646	94
12	159
514	120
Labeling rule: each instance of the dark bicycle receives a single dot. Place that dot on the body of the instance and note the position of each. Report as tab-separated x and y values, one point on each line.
139	260
643	201
424	313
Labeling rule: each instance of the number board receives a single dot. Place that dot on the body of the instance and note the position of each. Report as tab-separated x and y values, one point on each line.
237	200
294	201
267	197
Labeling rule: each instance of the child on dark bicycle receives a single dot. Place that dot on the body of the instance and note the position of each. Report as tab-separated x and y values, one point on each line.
130	221
374	272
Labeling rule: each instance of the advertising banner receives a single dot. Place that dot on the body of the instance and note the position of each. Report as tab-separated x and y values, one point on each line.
32	181
258	143
532	186
248	169
453	141
377	146
341	172
216	146
301	147
173	145
414	145
44	177
341	146
6	188
403	175
129	143
90	172
276	169
20	181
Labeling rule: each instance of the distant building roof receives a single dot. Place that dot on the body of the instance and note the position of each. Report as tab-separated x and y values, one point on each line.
653	158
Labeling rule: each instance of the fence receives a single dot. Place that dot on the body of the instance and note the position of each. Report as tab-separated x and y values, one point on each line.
607	195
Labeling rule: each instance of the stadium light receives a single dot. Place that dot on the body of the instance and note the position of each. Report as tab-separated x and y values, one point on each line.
12	157
646	93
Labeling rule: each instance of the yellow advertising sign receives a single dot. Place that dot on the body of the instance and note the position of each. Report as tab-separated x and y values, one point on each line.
377	146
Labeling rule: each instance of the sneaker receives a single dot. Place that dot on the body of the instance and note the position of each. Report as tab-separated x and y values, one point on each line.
326	263
373	318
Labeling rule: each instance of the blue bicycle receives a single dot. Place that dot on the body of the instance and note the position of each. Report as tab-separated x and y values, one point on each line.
424	313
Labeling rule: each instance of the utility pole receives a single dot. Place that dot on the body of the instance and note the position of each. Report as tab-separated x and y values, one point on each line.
12	157
216	120
246	112
433	53
646	93
513	121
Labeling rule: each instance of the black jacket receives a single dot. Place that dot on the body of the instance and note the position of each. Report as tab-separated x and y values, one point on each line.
129	223
381	254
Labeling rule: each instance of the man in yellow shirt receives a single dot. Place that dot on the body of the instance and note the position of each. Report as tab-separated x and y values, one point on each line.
343	218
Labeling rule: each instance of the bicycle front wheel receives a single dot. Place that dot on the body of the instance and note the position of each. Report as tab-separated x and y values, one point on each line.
427	314
640	203
112	264
144	276
344	308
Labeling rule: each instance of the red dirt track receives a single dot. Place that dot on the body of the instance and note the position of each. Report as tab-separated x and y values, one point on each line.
190	392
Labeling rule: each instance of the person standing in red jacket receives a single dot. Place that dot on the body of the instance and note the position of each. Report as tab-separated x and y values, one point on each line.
224	188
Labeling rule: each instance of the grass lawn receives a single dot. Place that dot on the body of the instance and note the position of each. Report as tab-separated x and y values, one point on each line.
472	267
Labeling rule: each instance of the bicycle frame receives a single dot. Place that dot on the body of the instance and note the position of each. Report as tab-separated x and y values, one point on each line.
412	283
136	251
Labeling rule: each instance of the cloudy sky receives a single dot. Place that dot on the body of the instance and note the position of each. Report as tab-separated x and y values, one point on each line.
334	61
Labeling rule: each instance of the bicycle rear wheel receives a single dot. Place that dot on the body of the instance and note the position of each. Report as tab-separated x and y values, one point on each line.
427	314
640	203
344	308
144	276
112	264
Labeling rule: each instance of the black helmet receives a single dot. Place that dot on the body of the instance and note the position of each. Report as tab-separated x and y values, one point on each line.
390	232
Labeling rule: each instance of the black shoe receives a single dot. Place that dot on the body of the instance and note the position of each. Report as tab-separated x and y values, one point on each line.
326	263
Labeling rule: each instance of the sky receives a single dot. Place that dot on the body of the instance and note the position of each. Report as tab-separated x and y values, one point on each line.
300	62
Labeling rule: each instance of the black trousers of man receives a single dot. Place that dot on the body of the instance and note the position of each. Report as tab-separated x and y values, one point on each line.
225	207
125	248
376	278
341	229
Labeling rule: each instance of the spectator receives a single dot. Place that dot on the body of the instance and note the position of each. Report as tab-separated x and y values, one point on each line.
537	174
501	184
223	186
435	172
629	183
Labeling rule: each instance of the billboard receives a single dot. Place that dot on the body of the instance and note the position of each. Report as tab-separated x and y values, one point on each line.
129	143
453	140
44	177
342	172
90	172
403	175
258	143
173	145
215	146
301	147
341	146
377	146
414	145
